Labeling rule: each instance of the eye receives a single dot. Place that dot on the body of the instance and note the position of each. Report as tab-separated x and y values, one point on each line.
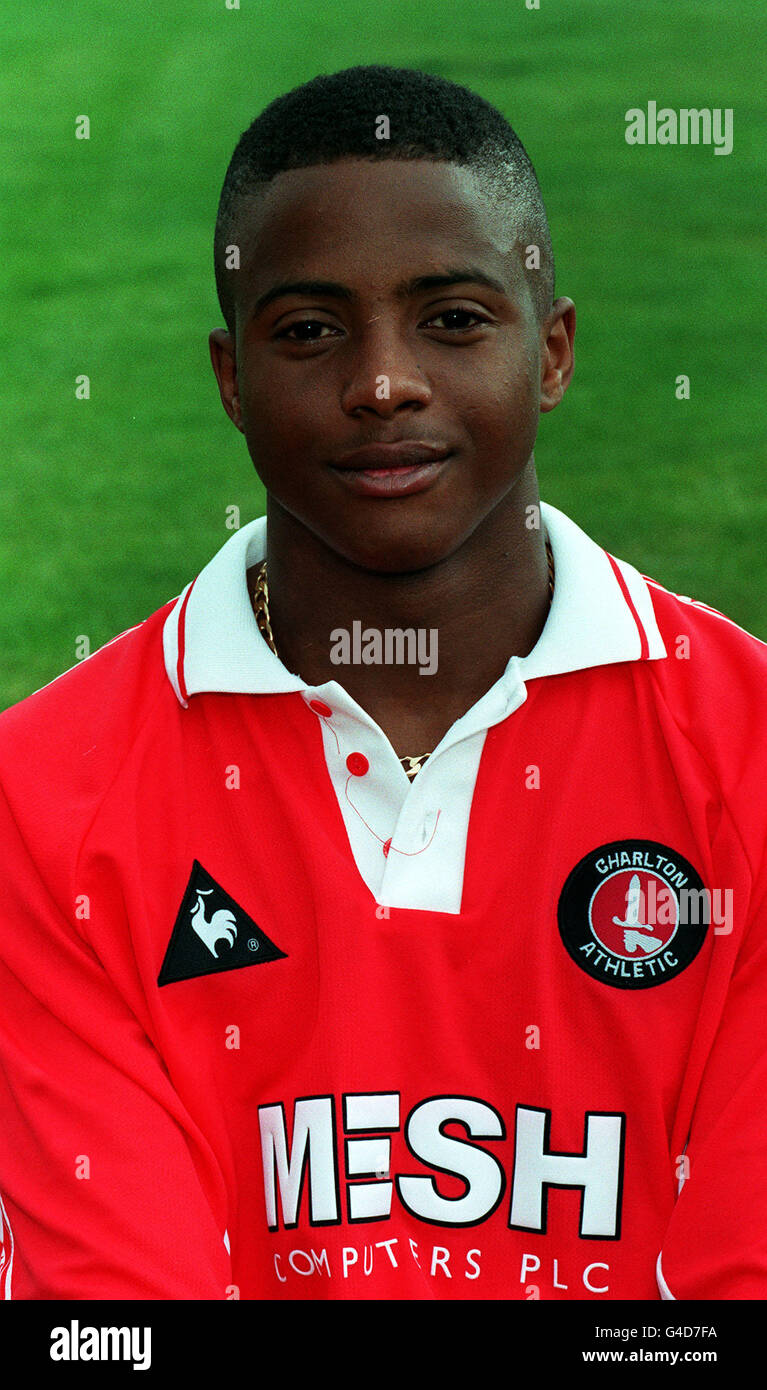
300	331
450	316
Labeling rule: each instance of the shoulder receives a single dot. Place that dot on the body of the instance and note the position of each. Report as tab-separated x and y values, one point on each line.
717	649
61	746
712	687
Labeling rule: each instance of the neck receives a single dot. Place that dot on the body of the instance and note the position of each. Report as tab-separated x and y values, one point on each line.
474	610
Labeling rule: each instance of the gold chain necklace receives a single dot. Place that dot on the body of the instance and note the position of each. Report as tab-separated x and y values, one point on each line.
412	766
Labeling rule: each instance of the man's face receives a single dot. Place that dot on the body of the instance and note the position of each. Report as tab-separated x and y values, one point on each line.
385	353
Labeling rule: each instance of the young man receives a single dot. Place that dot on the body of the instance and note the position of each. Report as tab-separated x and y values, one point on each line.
436	971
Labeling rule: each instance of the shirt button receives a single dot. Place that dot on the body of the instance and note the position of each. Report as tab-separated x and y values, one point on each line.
357	764
320	707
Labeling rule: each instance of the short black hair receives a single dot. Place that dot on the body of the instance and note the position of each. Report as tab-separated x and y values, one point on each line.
334	117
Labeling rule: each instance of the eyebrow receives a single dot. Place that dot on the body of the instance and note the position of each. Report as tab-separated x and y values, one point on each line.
333	290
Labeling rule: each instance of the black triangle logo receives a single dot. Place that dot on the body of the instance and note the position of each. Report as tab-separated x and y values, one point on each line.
212	933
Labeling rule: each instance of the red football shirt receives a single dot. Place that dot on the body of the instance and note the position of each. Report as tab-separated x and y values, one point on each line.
277	1023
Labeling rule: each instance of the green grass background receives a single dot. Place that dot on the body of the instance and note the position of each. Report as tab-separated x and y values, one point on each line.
108	507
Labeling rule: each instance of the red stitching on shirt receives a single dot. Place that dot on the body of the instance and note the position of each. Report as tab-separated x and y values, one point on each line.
387	844
410	853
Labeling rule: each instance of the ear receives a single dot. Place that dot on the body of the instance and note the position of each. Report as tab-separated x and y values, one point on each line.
222	355
557	358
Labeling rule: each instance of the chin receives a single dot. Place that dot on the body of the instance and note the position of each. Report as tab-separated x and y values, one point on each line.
404	555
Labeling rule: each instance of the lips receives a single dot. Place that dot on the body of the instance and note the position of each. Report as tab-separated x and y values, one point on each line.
398	468
404	453
392	470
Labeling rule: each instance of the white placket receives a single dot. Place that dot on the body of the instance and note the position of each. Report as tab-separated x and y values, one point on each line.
408	838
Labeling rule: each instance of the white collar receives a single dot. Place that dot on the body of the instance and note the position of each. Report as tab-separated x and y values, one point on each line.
601	613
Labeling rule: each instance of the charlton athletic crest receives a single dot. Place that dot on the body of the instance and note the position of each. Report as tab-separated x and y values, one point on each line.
633	914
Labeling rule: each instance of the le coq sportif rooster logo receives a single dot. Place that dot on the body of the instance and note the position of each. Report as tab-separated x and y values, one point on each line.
221	927
213	933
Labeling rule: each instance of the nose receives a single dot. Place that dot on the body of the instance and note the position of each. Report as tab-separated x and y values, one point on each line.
384	373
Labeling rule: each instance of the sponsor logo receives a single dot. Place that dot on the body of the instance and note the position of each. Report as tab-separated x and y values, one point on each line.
633	914
324	1177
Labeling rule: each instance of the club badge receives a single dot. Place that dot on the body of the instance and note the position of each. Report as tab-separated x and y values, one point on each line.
633	914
